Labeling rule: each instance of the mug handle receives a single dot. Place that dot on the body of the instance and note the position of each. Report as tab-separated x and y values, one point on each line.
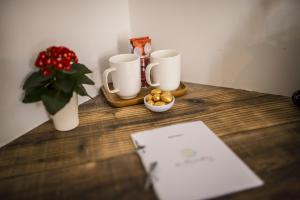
148	74
105	80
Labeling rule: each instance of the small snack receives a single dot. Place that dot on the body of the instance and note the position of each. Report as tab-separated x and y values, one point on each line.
150	102
156	97
166	96
159	103
149	97
167	93
156	91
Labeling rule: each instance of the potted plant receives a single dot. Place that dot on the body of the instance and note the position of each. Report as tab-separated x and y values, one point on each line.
56	82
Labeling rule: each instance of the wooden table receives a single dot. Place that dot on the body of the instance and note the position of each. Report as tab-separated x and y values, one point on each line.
97	161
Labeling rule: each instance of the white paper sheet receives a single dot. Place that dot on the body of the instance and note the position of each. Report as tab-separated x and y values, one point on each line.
193	163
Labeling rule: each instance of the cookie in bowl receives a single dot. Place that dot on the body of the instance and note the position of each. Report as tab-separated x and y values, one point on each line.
159	101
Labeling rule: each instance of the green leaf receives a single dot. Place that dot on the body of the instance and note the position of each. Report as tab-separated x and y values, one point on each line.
81	90
34	80
60	74
32	95
54	100
83	79
80	69
66	84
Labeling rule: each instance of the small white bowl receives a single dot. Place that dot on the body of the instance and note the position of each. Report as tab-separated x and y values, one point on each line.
159	108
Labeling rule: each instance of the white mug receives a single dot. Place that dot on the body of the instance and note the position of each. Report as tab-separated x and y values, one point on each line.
166	70
126	75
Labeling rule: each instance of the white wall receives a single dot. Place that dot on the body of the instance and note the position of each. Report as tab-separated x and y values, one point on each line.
94	29
248	44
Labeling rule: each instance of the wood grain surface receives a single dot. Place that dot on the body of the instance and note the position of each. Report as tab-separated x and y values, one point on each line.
97	159
114	100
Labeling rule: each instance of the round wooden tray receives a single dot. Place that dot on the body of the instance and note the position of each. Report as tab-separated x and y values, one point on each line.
115	101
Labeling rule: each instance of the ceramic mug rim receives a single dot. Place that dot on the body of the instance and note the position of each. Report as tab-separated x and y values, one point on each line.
165	54
123	58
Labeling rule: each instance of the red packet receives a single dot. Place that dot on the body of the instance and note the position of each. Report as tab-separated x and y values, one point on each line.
142	47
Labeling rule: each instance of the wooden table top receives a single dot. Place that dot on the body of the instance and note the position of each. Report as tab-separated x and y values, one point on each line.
97	159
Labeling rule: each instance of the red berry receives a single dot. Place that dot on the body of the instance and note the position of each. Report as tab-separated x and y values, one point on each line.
73	54
68	58
54	62
54	49
46	72
59	49
59	66
39	63
54	54
68	68
59	57
42	55
65	50
66	63
48	61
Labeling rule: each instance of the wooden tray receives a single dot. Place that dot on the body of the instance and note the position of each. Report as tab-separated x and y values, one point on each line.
115	101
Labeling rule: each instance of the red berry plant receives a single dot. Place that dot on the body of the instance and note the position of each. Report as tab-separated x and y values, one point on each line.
59	75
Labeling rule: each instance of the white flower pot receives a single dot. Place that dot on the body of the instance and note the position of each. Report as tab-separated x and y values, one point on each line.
67	118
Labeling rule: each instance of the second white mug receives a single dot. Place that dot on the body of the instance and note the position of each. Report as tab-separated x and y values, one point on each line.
166	69
126	75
